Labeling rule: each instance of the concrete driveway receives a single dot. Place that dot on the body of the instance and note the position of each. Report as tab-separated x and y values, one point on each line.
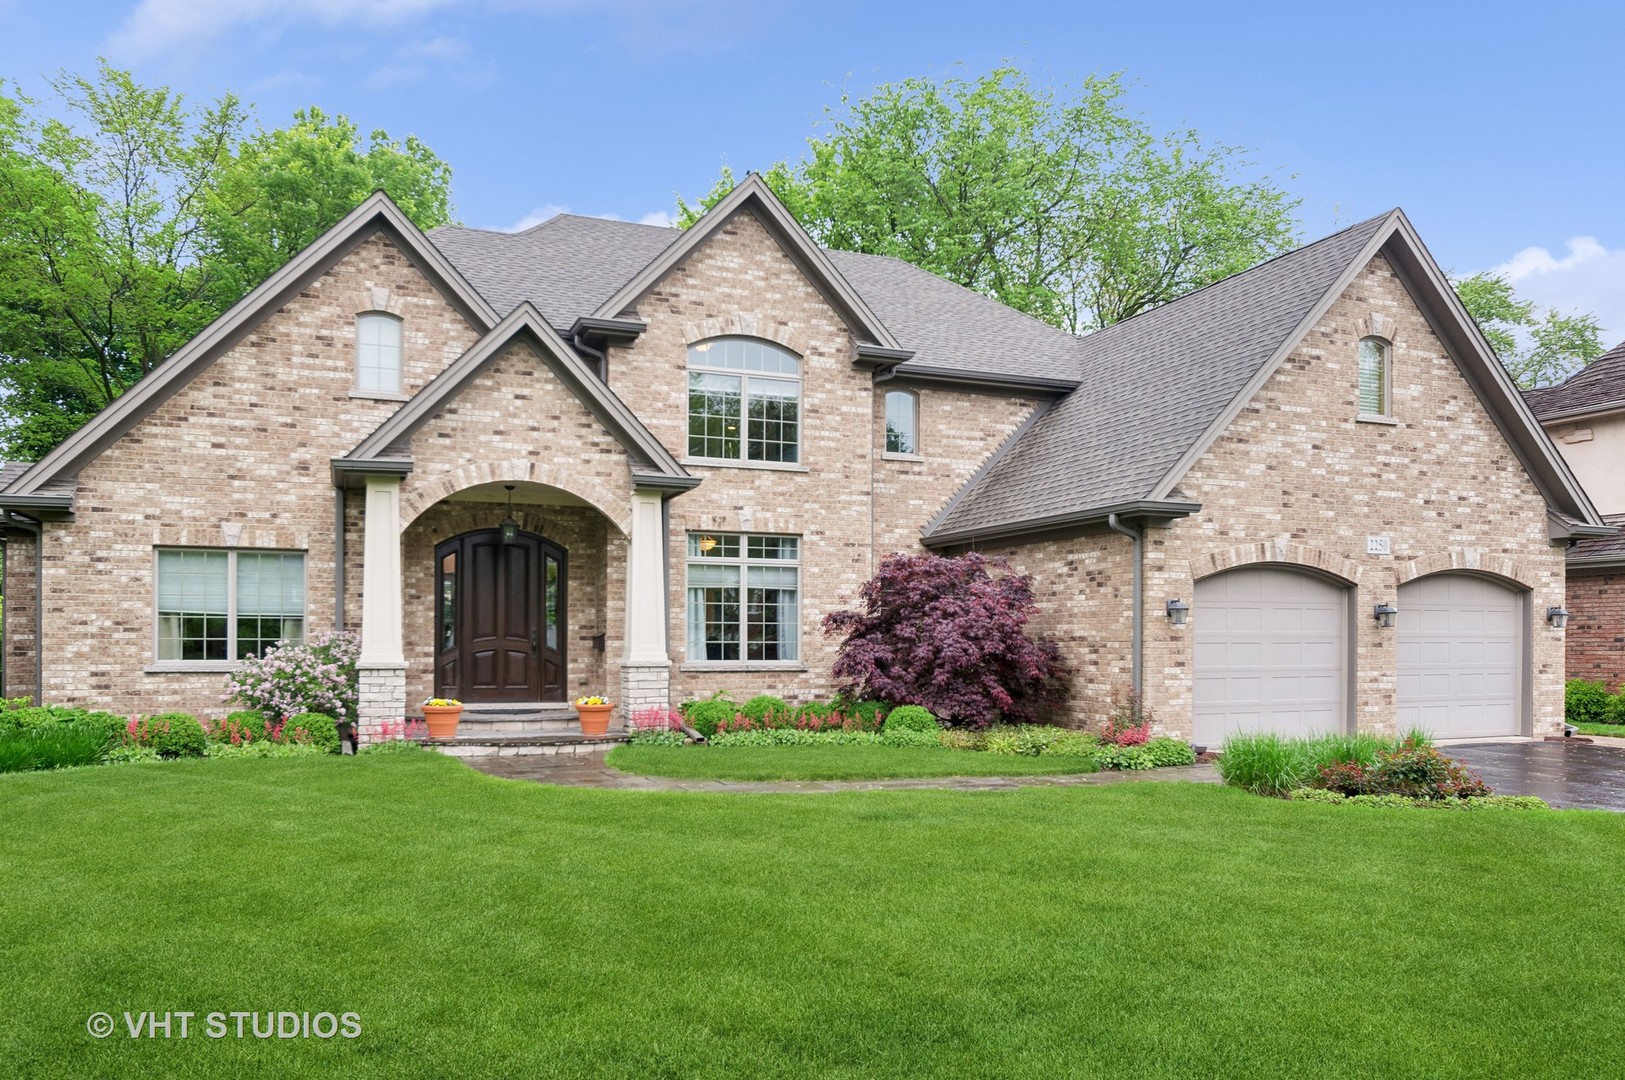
1569	774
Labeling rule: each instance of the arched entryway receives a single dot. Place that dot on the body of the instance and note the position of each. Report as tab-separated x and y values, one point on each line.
1270	653
1463	640
501	615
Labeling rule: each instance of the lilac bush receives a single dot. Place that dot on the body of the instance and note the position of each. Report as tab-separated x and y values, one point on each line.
949	634
318	676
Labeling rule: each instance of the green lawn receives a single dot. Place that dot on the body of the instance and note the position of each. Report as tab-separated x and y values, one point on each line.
1616	731
503	928
832	762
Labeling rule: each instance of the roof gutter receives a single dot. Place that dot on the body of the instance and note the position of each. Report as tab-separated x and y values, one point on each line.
1137	536
1155	512
983	380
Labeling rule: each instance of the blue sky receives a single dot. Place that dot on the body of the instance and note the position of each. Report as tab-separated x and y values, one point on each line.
1498	127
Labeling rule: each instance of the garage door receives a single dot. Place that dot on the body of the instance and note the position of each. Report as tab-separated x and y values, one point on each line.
1271	654
1461	653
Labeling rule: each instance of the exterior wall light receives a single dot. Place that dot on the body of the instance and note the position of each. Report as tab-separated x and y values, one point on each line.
1558	617
1385	615
707	543
1178	611
510	527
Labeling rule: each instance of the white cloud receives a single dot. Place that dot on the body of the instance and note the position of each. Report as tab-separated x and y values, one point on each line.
1589	277
536	217
658	217
158	25
442	48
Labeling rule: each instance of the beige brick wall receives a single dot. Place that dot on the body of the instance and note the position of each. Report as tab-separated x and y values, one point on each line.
242	451
1296	479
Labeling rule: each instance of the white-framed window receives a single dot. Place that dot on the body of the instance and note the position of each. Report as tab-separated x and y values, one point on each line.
744	598
228	604
378	353
1374	376
744	401
902	422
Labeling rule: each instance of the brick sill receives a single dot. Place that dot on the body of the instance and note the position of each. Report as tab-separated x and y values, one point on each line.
727	665
1376	418
377	395
890	456
191	667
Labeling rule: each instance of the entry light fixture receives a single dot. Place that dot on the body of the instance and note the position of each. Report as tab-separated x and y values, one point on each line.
510	527
1178	611
1385	615
707	543
1558	617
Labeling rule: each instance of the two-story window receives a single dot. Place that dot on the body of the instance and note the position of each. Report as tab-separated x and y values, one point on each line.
378	353
744	597
744	402
226	604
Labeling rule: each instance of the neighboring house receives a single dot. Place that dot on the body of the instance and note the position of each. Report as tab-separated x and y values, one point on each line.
1585	416
709	438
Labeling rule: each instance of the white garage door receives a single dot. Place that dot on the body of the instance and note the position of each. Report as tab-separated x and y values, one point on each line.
1271	654
1460	656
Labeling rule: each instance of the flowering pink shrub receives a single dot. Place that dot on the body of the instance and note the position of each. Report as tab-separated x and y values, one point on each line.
657	718
318	676
947	634
1130	723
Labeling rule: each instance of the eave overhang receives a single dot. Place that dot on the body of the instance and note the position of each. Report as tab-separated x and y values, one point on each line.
1151	513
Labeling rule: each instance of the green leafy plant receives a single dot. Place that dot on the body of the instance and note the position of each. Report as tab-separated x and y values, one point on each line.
1400	802
763	707
910	725
1587	702
264	748
53	746
1165	752
171	735
1270	764
703	715
316	729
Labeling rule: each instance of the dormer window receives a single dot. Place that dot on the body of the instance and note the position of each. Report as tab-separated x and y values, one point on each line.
744	402
378	353
1374	377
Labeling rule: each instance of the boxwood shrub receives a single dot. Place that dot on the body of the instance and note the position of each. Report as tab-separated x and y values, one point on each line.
1587	702
172	734
703	715
762	706
314	728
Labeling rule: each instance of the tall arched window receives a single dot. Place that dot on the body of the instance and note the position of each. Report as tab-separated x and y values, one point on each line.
378	353
902	422
1374	376
744	401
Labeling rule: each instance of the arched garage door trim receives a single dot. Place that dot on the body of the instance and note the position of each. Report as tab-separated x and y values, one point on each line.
1461	664
1316	632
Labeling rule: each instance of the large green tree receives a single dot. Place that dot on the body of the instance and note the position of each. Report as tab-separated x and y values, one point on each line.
1058	203
130	220
1538	346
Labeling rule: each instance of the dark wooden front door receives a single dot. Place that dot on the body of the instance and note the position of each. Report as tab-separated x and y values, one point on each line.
500	619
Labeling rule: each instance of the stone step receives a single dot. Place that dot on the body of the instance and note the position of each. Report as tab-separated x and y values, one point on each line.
564	742
516	724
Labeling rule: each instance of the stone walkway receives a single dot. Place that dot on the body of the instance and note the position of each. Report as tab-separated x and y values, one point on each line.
589	770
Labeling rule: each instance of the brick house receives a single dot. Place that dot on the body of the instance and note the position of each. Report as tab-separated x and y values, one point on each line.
1585	416
604	457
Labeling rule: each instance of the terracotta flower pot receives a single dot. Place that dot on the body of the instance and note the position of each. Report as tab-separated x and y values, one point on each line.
442	720
594	718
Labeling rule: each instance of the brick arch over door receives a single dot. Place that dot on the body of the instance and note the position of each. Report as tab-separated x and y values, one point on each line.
1490	564
617	508
1346	571
1462	654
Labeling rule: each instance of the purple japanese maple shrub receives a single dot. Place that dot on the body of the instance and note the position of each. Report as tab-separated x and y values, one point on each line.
949	634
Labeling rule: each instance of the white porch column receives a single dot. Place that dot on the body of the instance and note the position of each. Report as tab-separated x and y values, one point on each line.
645	666
383	656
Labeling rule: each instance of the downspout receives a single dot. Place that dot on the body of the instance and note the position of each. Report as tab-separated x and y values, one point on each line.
1138	537
38	533
579	340
338	558
881	376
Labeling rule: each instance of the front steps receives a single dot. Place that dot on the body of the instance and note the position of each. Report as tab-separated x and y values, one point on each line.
525	728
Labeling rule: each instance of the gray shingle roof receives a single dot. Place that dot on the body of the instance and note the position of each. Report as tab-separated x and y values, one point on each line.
568	266
10	470
1601	382
1154	384
1605	547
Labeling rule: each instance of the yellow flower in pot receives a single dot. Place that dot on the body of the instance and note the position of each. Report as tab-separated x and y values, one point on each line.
593	712
441	715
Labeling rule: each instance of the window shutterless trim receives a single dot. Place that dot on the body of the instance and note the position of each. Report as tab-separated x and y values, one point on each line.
743	563
162	666
357	390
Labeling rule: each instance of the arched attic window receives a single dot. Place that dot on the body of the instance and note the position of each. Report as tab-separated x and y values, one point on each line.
1375	376
378	353
744	401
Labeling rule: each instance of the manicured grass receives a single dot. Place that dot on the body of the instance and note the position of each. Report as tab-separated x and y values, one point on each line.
1616	731
832	762
503	928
